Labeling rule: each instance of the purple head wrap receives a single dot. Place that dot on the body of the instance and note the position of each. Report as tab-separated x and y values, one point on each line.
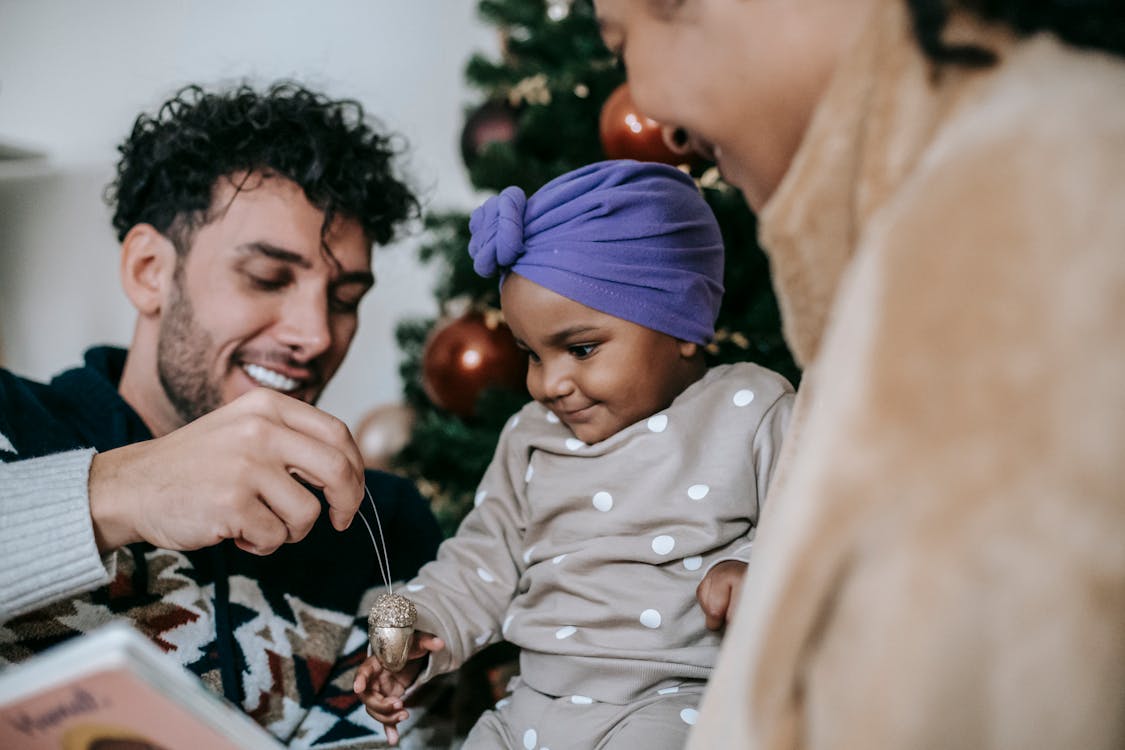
635	240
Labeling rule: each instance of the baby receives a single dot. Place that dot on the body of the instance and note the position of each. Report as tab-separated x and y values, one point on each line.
613	527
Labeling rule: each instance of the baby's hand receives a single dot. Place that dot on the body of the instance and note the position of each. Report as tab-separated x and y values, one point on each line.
718	592
381	691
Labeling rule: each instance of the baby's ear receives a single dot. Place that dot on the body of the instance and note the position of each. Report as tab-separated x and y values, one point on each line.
688	349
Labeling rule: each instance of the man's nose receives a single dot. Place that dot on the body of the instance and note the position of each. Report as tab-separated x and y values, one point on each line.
304	327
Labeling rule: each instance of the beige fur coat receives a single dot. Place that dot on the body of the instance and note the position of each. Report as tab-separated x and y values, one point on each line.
942	559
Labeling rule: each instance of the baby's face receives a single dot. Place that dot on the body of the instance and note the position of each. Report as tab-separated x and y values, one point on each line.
597	373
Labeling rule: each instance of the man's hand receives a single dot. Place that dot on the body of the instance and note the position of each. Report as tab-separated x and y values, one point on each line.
718	592
231	474
381	691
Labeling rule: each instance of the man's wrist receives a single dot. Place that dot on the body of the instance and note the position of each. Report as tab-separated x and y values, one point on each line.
113	524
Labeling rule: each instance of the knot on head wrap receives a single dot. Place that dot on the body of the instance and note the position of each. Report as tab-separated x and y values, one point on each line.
497	232
635	240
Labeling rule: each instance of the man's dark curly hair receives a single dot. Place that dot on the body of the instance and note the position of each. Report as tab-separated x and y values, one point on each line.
1094	24
172	161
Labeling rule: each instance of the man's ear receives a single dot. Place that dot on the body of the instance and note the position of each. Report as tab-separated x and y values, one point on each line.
148	262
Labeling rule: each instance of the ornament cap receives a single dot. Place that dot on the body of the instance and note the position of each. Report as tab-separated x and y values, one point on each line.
392	611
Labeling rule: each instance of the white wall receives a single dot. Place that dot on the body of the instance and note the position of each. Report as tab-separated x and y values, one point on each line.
74	74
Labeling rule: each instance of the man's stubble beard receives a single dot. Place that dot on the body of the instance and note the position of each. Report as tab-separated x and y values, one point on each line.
182	357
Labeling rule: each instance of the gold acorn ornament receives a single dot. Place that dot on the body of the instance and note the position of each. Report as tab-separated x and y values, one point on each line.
390	623
390	629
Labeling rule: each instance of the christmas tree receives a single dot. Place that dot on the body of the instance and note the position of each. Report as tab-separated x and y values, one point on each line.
554	101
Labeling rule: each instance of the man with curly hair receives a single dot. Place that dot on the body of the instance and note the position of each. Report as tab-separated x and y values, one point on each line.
189	484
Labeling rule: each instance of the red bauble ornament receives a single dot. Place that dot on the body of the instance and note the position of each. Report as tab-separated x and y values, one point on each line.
467	355
627	134
493	122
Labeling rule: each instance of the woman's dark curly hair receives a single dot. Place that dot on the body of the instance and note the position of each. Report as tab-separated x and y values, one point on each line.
172	160
1095	24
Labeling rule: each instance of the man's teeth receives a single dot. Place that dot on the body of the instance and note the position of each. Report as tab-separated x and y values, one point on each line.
271	379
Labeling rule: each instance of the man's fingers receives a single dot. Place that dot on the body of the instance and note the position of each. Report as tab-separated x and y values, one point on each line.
291	502
324	466
259	530
311	421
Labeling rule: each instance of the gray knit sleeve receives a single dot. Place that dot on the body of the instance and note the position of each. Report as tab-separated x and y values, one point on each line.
47	548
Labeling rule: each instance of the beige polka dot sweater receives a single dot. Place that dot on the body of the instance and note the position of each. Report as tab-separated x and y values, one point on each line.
587	557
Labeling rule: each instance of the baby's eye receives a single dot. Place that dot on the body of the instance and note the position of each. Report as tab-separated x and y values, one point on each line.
581	351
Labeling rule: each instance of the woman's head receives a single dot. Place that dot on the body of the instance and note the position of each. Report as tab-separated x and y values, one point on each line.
741	76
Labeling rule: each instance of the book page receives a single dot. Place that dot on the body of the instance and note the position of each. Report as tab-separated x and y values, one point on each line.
112	709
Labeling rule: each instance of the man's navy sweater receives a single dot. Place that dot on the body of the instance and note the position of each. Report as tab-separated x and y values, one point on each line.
273	633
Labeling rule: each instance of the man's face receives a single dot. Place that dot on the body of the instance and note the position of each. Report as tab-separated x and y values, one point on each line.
597	373
258	301
741	76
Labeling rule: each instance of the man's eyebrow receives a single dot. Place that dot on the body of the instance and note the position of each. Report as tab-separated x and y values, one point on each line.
276	252
279	253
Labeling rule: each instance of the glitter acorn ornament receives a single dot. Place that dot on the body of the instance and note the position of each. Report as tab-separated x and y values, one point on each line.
390	628
390	623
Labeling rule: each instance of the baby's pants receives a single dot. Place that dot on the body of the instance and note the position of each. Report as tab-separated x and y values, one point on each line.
530	720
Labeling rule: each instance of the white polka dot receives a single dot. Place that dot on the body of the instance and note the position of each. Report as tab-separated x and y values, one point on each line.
559	558
603	501
485	576
743	397
480	496
698	491
530	739
650	618
693	563
483	638
663	544
552	417
581	700
529	474
507	622
658	422
565	632
415	586
689	716
527	555
668	691
574	444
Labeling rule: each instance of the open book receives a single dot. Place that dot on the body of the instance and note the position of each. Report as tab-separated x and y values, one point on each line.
113	689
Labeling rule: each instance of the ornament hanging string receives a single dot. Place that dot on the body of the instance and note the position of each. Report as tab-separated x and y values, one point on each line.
390	623
382	559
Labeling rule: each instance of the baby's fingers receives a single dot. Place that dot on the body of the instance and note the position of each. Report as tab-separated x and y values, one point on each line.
392	733
365	675
384	708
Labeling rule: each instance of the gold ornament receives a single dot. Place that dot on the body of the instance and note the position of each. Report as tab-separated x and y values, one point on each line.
532	90
390	629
